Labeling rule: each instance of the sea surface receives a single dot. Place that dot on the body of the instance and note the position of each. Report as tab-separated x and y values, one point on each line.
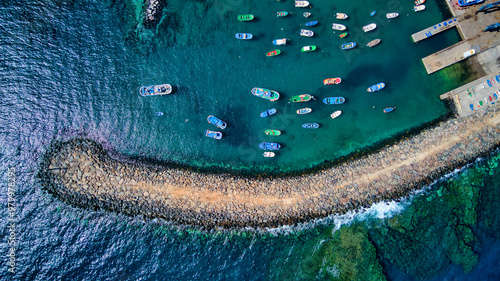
73	68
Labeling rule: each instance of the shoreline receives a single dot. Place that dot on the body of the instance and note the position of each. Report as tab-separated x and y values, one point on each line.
80	172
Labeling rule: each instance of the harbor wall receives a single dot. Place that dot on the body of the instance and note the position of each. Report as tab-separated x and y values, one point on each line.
80	172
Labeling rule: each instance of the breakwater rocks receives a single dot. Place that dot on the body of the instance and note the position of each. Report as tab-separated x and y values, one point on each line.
154	12
80	172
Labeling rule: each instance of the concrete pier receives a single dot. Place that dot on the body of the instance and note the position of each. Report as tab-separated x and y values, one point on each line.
433	30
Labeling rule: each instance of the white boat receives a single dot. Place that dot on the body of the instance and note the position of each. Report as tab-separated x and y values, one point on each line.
392	15
301	4
373	43
337	26
269	154
155	90
306	14
304	110
280	42
306	32
341	16
336	114
369	27
419	8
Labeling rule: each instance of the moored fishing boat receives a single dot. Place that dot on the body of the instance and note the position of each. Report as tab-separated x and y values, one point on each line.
273	53
311	23
301	4
269	146
155	90
304	110
265	94
463	3
391	15
301	98
306	14
341	16
419	2
306	32
280	42
269	154
309	48
244	36
373	13
213	134
268	112
419	8
376	87
310	125
159	113
334	100
216	121
347	46
335	114
338	26
369	27
271	132
373	43
247	17
389	109
342	35
331	81
282	14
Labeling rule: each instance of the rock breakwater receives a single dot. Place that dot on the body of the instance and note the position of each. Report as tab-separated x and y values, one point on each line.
82	173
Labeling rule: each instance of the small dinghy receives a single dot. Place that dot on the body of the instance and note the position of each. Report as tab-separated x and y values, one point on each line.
389	109
336	114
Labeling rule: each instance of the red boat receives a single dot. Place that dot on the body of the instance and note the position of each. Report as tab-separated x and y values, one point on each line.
330	81
419	2
273	53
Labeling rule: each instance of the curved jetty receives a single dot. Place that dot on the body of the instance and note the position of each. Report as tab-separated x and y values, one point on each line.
80	172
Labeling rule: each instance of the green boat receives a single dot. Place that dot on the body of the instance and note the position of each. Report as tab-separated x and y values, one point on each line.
247	17
272	132
301	98
308	48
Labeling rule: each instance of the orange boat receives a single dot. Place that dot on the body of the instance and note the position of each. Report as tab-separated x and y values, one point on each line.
419	2
330	81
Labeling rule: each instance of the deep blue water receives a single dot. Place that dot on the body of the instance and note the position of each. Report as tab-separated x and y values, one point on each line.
72	68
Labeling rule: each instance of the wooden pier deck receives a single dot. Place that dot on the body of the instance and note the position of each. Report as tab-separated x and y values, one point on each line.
435	29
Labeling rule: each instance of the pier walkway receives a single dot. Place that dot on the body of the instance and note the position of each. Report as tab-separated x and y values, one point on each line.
448	56
435	29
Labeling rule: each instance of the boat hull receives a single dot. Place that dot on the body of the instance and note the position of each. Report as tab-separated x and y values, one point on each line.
376	87
301	4
268	112
311	23
155	90
337	26
335	114
244	36
265	94
269	146
279	42
272	132
369	27
310	125
348	46
282	14
308	48
273	53
213	134
341	16
301	98
334	100
217	122
373	43
247	17
389	109
304	110
331	81
306	33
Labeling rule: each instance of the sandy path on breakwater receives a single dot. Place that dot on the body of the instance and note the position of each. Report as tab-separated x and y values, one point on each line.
93	178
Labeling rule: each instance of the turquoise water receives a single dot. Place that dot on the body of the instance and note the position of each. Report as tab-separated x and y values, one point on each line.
73	68
89	69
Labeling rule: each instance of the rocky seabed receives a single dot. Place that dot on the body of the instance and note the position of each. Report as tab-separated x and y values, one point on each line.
81	172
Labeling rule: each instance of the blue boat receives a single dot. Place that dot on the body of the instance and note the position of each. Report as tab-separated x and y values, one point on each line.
311	23
373	13
244	36
489	83
376	87
498	78
213	134
389	109
464	3
268	112
334	100
347	46
159	113
279	42
270	146
216	121
310	125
